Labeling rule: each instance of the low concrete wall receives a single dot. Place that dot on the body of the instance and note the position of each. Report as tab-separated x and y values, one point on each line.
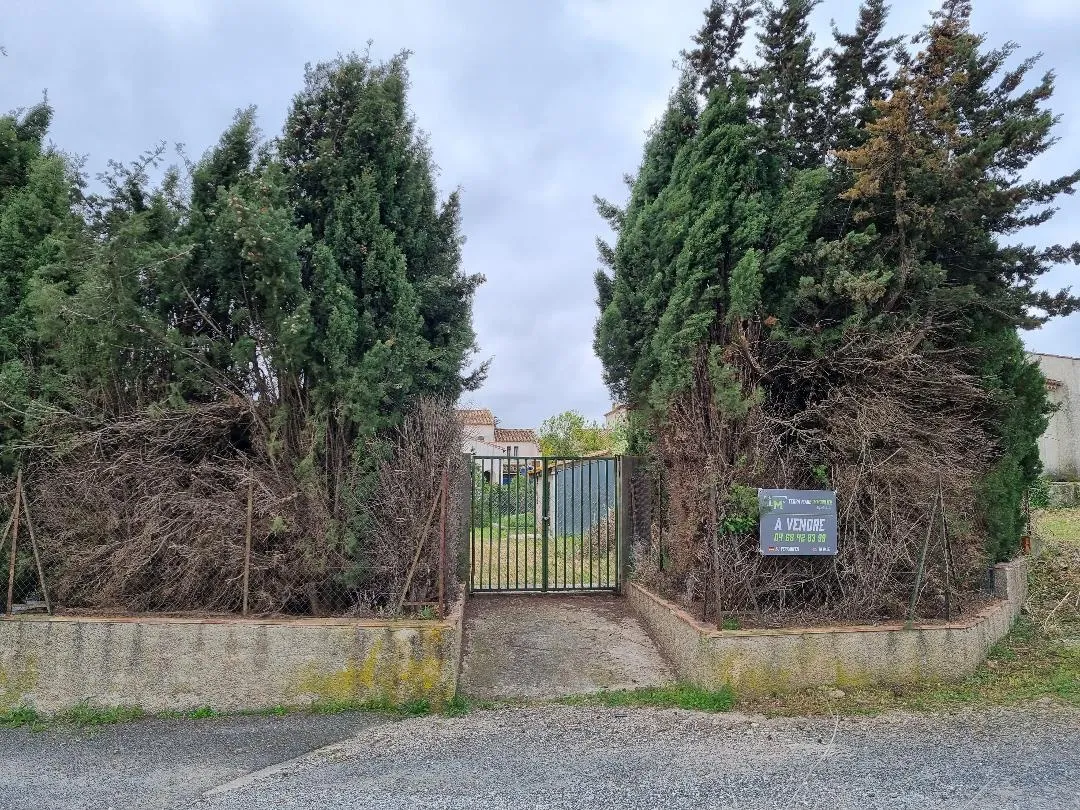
161	664
769	661
1064	494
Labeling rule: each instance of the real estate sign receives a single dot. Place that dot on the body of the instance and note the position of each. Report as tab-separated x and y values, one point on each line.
797	521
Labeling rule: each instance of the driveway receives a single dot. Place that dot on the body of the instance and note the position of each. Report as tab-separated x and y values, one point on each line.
557	757
534	646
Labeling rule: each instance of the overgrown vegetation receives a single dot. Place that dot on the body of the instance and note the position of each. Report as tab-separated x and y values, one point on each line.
87	715
817	283
1058	524
260	320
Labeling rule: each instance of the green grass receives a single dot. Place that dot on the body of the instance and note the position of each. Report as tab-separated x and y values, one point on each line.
1039	659
21	716
86	715
1058	524
1023	667
410	708
457	706
675	696
514	560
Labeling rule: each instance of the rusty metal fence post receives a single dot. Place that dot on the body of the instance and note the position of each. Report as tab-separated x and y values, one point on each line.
626	469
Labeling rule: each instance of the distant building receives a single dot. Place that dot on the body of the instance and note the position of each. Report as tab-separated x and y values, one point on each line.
618	416
483	437
1059	446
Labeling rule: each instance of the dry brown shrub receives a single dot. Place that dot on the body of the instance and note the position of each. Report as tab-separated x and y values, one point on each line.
400	512
893	426
149	513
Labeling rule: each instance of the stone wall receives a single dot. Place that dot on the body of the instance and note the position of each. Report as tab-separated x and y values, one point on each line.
159	664
769	661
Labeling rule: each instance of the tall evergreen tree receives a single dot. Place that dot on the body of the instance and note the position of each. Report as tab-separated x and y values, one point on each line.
632	298
940	181
361	179
861	71
834	204
38	231
788	83
719	40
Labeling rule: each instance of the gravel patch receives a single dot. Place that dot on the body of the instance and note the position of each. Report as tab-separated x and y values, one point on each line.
588	757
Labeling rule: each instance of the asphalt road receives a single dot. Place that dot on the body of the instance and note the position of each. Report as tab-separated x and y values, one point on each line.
556	757
153	764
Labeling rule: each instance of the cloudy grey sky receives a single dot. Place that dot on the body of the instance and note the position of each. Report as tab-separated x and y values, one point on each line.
532	106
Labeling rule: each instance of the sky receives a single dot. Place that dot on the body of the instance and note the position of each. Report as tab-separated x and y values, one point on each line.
531	108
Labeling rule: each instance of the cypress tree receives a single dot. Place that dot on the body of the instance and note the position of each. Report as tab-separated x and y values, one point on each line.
788	84
635	293
940	181
718	42
38	233
817	208
861	71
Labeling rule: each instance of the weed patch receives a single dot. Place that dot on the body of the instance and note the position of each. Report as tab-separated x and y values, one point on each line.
22	716
86	714
680	696
457	706
410	708
1039	659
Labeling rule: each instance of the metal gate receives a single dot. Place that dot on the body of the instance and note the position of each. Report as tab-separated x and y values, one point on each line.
544	524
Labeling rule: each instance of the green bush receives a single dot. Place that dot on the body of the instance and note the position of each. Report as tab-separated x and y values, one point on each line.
1039	494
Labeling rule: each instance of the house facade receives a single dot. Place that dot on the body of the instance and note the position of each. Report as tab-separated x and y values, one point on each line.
483	437
1059	446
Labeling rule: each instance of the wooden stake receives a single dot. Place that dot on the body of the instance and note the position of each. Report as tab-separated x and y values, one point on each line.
14	543
919	574
442	543
247	543
948	554
37	556
7	530
416	556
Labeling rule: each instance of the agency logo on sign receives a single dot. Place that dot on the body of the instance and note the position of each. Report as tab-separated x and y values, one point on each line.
797	522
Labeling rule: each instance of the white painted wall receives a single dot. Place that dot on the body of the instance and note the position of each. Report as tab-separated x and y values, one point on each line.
475	434
1059	446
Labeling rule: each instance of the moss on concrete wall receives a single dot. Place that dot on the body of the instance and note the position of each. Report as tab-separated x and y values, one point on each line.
775	661
156	664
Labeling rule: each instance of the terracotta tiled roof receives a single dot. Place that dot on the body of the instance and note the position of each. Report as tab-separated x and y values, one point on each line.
480	416
514	435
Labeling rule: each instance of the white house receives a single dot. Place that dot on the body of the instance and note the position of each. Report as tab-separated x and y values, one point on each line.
1059	446
483	437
